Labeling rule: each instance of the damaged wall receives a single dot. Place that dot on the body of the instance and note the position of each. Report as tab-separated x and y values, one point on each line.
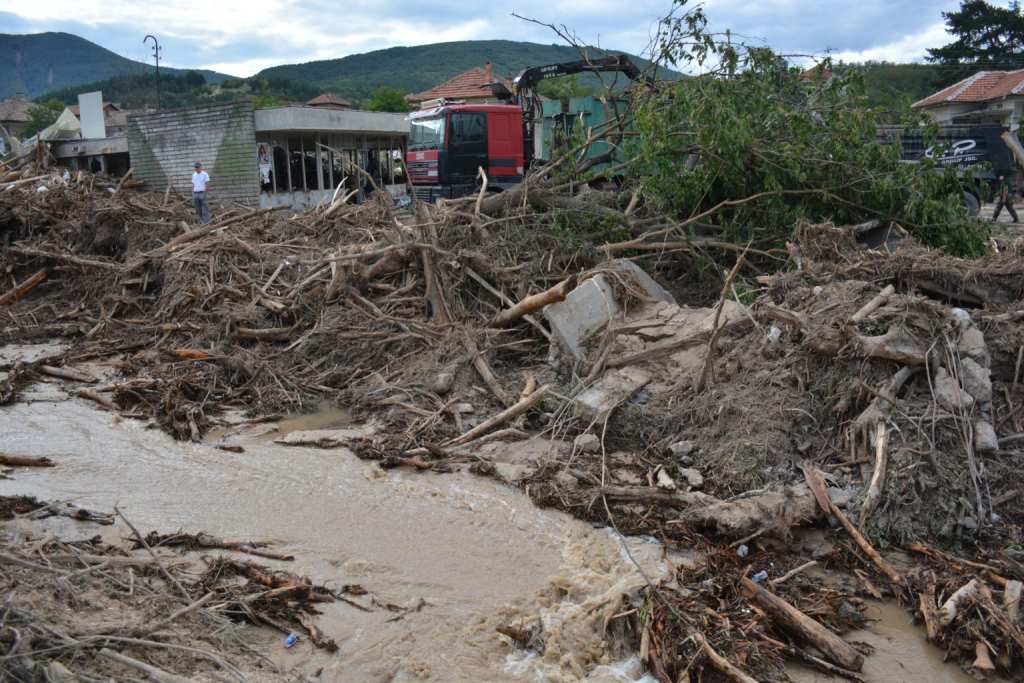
164	145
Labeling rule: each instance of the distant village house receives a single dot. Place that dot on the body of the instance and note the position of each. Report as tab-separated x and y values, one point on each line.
986	97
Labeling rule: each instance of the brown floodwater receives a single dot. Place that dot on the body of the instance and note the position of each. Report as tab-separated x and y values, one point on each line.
477	554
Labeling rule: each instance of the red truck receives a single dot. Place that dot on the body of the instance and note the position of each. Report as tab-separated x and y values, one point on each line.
447	144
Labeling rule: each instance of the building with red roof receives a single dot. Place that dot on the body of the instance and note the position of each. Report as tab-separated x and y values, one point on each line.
985	97
474	86
329	101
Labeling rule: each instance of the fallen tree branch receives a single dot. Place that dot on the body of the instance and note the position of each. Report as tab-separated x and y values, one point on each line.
534	302
24	288
501	418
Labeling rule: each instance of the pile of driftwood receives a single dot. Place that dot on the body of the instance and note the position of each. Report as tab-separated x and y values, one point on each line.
878	390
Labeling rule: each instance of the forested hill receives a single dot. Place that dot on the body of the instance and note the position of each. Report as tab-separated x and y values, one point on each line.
415	69
41	62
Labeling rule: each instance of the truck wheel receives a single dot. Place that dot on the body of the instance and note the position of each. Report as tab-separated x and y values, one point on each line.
972	204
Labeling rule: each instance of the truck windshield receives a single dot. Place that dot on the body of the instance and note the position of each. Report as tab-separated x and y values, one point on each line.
427	133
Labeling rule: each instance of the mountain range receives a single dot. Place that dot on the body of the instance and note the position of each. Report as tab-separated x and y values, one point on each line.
419	68
42	62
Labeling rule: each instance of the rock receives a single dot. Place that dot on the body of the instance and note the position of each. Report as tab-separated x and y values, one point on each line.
841	497
664	481
442	382
681	448
591	303
848	612
627	477
972	345
949	394
566	480
464	408
985	440
977	380
970	523
595	404
588	443
694	479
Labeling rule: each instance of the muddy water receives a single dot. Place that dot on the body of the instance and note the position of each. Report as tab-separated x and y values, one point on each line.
901	653
478	554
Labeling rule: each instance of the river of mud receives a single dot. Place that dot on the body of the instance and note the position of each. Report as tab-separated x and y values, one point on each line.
474	553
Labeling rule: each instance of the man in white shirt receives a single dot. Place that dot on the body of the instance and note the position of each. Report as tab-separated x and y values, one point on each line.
201	193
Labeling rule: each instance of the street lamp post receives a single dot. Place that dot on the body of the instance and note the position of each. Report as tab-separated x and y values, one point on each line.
156	53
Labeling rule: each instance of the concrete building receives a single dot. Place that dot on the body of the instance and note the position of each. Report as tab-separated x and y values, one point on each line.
269	157
985	97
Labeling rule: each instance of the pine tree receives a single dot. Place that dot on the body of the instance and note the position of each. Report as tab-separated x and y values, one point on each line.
987	37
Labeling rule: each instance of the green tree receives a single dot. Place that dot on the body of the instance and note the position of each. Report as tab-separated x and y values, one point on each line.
387	99
754	149
564	88
194	79
42	116
987	37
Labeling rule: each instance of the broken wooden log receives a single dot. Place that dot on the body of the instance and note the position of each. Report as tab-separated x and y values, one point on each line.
534	302
24	288
247	547
68	374
270	334
821	495
834	648
96	396
18	461
963	596
871	306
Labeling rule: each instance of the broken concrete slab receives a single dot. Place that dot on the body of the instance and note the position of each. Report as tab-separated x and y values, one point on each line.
595	404
327	438
592	303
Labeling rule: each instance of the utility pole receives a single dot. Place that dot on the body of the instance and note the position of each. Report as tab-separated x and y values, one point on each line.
156	53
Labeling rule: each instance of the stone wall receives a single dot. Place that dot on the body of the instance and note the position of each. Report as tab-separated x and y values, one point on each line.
164	146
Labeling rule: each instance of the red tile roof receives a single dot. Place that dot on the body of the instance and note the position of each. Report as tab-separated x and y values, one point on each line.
113	108
16	110
328	99
981	87
815	74
466	85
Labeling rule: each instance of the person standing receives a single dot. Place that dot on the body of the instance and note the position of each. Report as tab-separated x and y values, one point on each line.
1005	198
201	193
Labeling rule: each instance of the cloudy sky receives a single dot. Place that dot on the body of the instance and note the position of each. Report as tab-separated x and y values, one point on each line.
240	37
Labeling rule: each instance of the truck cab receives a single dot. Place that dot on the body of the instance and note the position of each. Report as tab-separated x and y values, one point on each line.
450	142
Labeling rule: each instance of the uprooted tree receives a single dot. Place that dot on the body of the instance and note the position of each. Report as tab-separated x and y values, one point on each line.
748	146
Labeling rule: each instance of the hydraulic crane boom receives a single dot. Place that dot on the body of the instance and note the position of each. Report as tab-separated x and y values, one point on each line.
525	83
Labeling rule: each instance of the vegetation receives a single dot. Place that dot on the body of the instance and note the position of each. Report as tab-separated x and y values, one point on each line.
564	88
43	62
415	69
387	99
43	116
761	149
987	37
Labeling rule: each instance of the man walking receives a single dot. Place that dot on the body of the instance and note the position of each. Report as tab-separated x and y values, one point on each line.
201	193
1005	198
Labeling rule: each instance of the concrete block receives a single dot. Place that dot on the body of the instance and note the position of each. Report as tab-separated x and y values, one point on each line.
590	304
597	403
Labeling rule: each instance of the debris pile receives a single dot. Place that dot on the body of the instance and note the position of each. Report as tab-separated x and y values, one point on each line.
866	383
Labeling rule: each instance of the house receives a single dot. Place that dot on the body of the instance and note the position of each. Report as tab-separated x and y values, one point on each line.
329	101
109	108
985	97
115	119
14	114
473	86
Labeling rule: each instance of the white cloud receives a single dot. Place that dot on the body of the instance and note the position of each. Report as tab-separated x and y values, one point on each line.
244	36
